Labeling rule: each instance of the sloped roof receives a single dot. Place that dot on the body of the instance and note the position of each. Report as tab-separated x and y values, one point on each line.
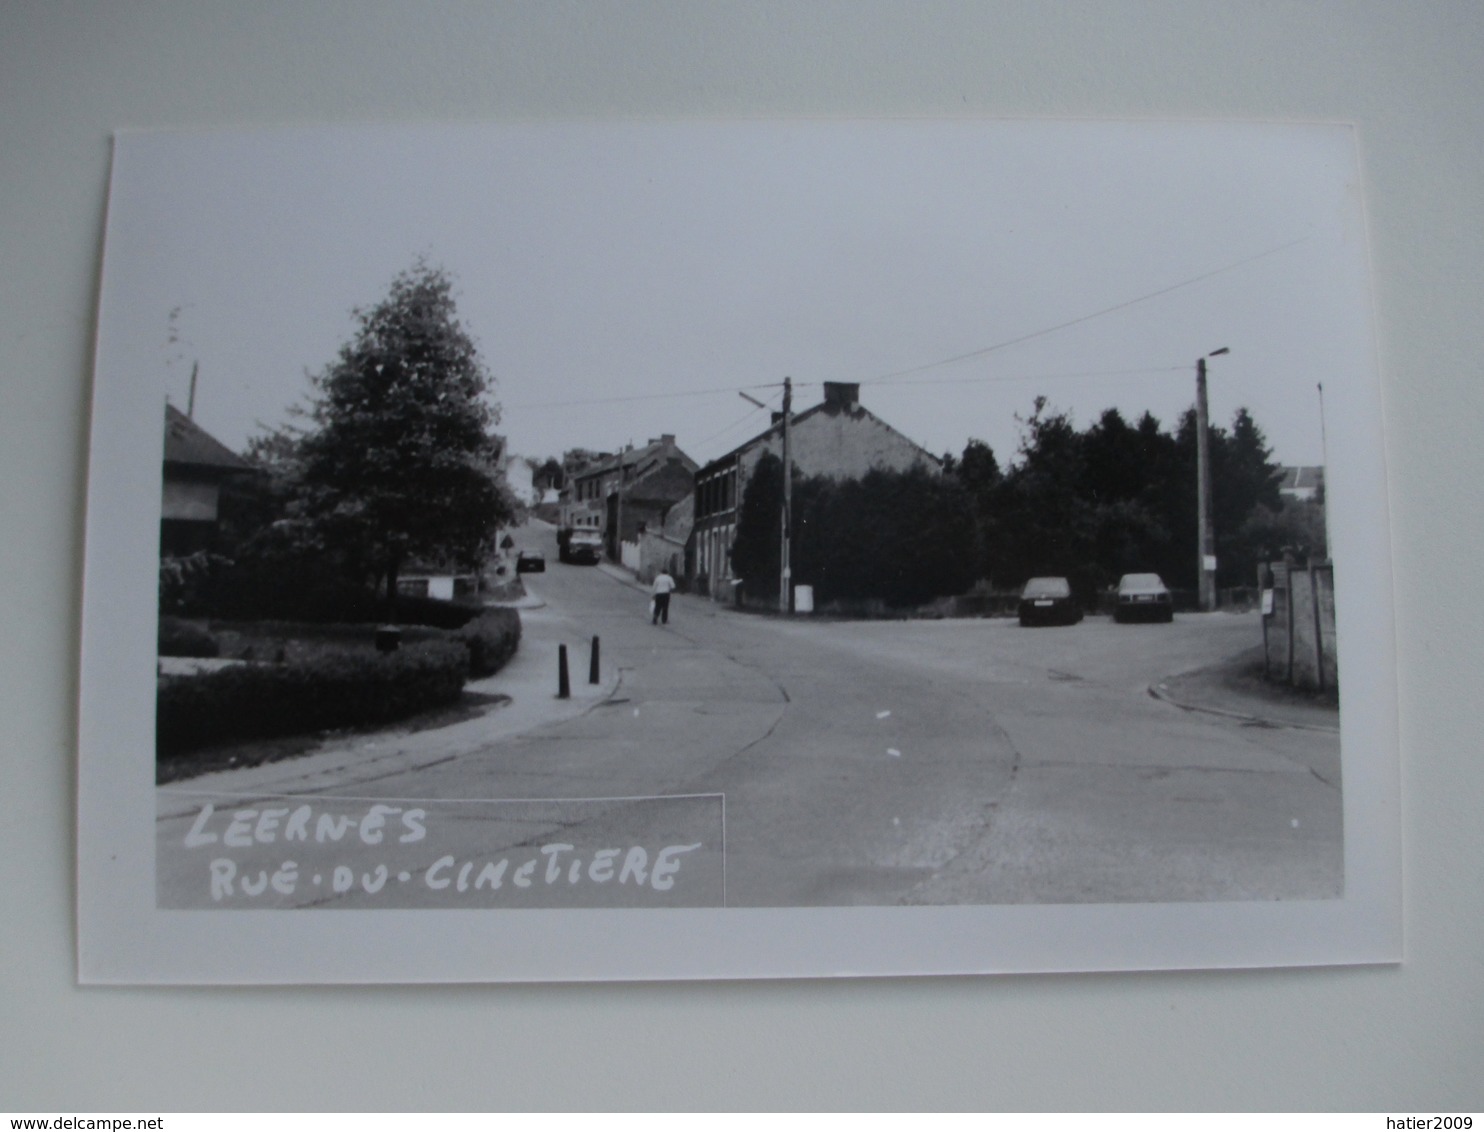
645	460
855	408
1299	477
188	443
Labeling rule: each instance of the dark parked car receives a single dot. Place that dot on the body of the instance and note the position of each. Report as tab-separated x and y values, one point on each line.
530	562
1049	601
1143	597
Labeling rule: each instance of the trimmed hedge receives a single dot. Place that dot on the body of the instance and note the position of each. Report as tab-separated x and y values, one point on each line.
342	689
185	638
248	592
491	639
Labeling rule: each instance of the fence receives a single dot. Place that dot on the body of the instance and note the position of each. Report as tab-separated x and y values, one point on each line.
1298	624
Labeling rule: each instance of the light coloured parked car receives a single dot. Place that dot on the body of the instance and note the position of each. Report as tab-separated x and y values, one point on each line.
1143	597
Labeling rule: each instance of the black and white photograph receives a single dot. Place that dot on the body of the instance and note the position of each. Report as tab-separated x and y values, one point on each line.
676	550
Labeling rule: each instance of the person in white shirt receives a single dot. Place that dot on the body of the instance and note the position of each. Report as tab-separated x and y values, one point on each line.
664	585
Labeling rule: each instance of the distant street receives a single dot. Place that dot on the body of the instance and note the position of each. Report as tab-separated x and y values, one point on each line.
935	762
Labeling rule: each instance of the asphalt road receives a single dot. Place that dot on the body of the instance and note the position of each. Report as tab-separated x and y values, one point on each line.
752	761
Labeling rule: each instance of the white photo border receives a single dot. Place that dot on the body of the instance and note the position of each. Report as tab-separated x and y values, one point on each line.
124	938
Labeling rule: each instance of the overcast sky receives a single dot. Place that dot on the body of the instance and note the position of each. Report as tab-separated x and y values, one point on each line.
626	279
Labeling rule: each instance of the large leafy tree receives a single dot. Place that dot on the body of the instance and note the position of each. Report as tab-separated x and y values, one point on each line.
398	460
1045	517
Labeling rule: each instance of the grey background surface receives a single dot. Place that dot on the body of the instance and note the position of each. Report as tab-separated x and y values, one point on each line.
1394	1038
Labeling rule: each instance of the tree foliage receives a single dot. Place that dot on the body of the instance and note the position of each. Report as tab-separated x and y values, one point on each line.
757	550
397	460
902	538
548	474
1116	498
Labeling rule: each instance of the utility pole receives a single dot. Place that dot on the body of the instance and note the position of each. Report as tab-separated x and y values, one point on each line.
785	574
618	509
1206	566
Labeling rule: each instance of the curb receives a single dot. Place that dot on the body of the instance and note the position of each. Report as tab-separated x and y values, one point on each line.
527	602
1161	693
622	576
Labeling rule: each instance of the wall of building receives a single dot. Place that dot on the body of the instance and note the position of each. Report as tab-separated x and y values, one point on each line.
192	499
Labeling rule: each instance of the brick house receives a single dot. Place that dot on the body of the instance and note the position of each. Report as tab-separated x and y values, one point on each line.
631	491
837	437
582	505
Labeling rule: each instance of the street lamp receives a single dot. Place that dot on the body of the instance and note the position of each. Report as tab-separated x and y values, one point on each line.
1206	566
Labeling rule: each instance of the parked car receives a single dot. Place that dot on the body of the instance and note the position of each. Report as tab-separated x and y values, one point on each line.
530	562
584	546
1143	597
1048	601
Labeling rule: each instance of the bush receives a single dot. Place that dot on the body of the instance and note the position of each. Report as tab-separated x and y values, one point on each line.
185	638
491	639
340	689
183	579
254	590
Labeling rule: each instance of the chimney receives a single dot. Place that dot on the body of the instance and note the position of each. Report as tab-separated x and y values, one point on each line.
667	439
842	394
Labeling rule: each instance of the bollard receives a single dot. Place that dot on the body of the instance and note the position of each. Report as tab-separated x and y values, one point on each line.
592	670
564	683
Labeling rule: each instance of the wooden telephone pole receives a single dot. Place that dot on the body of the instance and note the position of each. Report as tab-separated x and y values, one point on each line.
1206	536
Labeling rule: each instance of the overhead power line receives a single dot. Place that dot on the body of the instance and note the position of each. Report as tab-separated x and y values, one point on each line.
747	416
1086	317
895	375
982	380
641	397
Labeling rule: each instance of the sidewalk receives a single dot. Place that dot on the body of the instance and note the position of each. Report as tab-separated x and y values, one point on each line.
1235	688
622	574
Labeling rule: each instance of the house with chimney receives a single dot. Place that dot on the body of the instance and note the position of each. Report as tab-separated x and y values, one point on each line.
838	437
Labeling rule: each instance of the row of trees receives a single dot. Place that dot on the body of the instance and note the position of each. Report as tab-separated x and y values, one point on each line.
1090	504
1117	497
393	460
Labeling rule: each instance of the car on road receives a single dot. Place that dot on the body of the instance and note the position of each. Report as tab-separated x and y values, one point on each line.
583	546
530	562
1143	597
1048	601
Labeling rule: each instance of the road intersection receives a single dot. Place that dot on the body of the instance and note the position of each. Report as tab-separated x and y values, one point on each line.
805	762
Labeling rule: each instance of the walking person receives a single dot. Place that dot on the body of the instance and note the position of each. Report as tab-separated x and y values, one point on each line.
664	585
